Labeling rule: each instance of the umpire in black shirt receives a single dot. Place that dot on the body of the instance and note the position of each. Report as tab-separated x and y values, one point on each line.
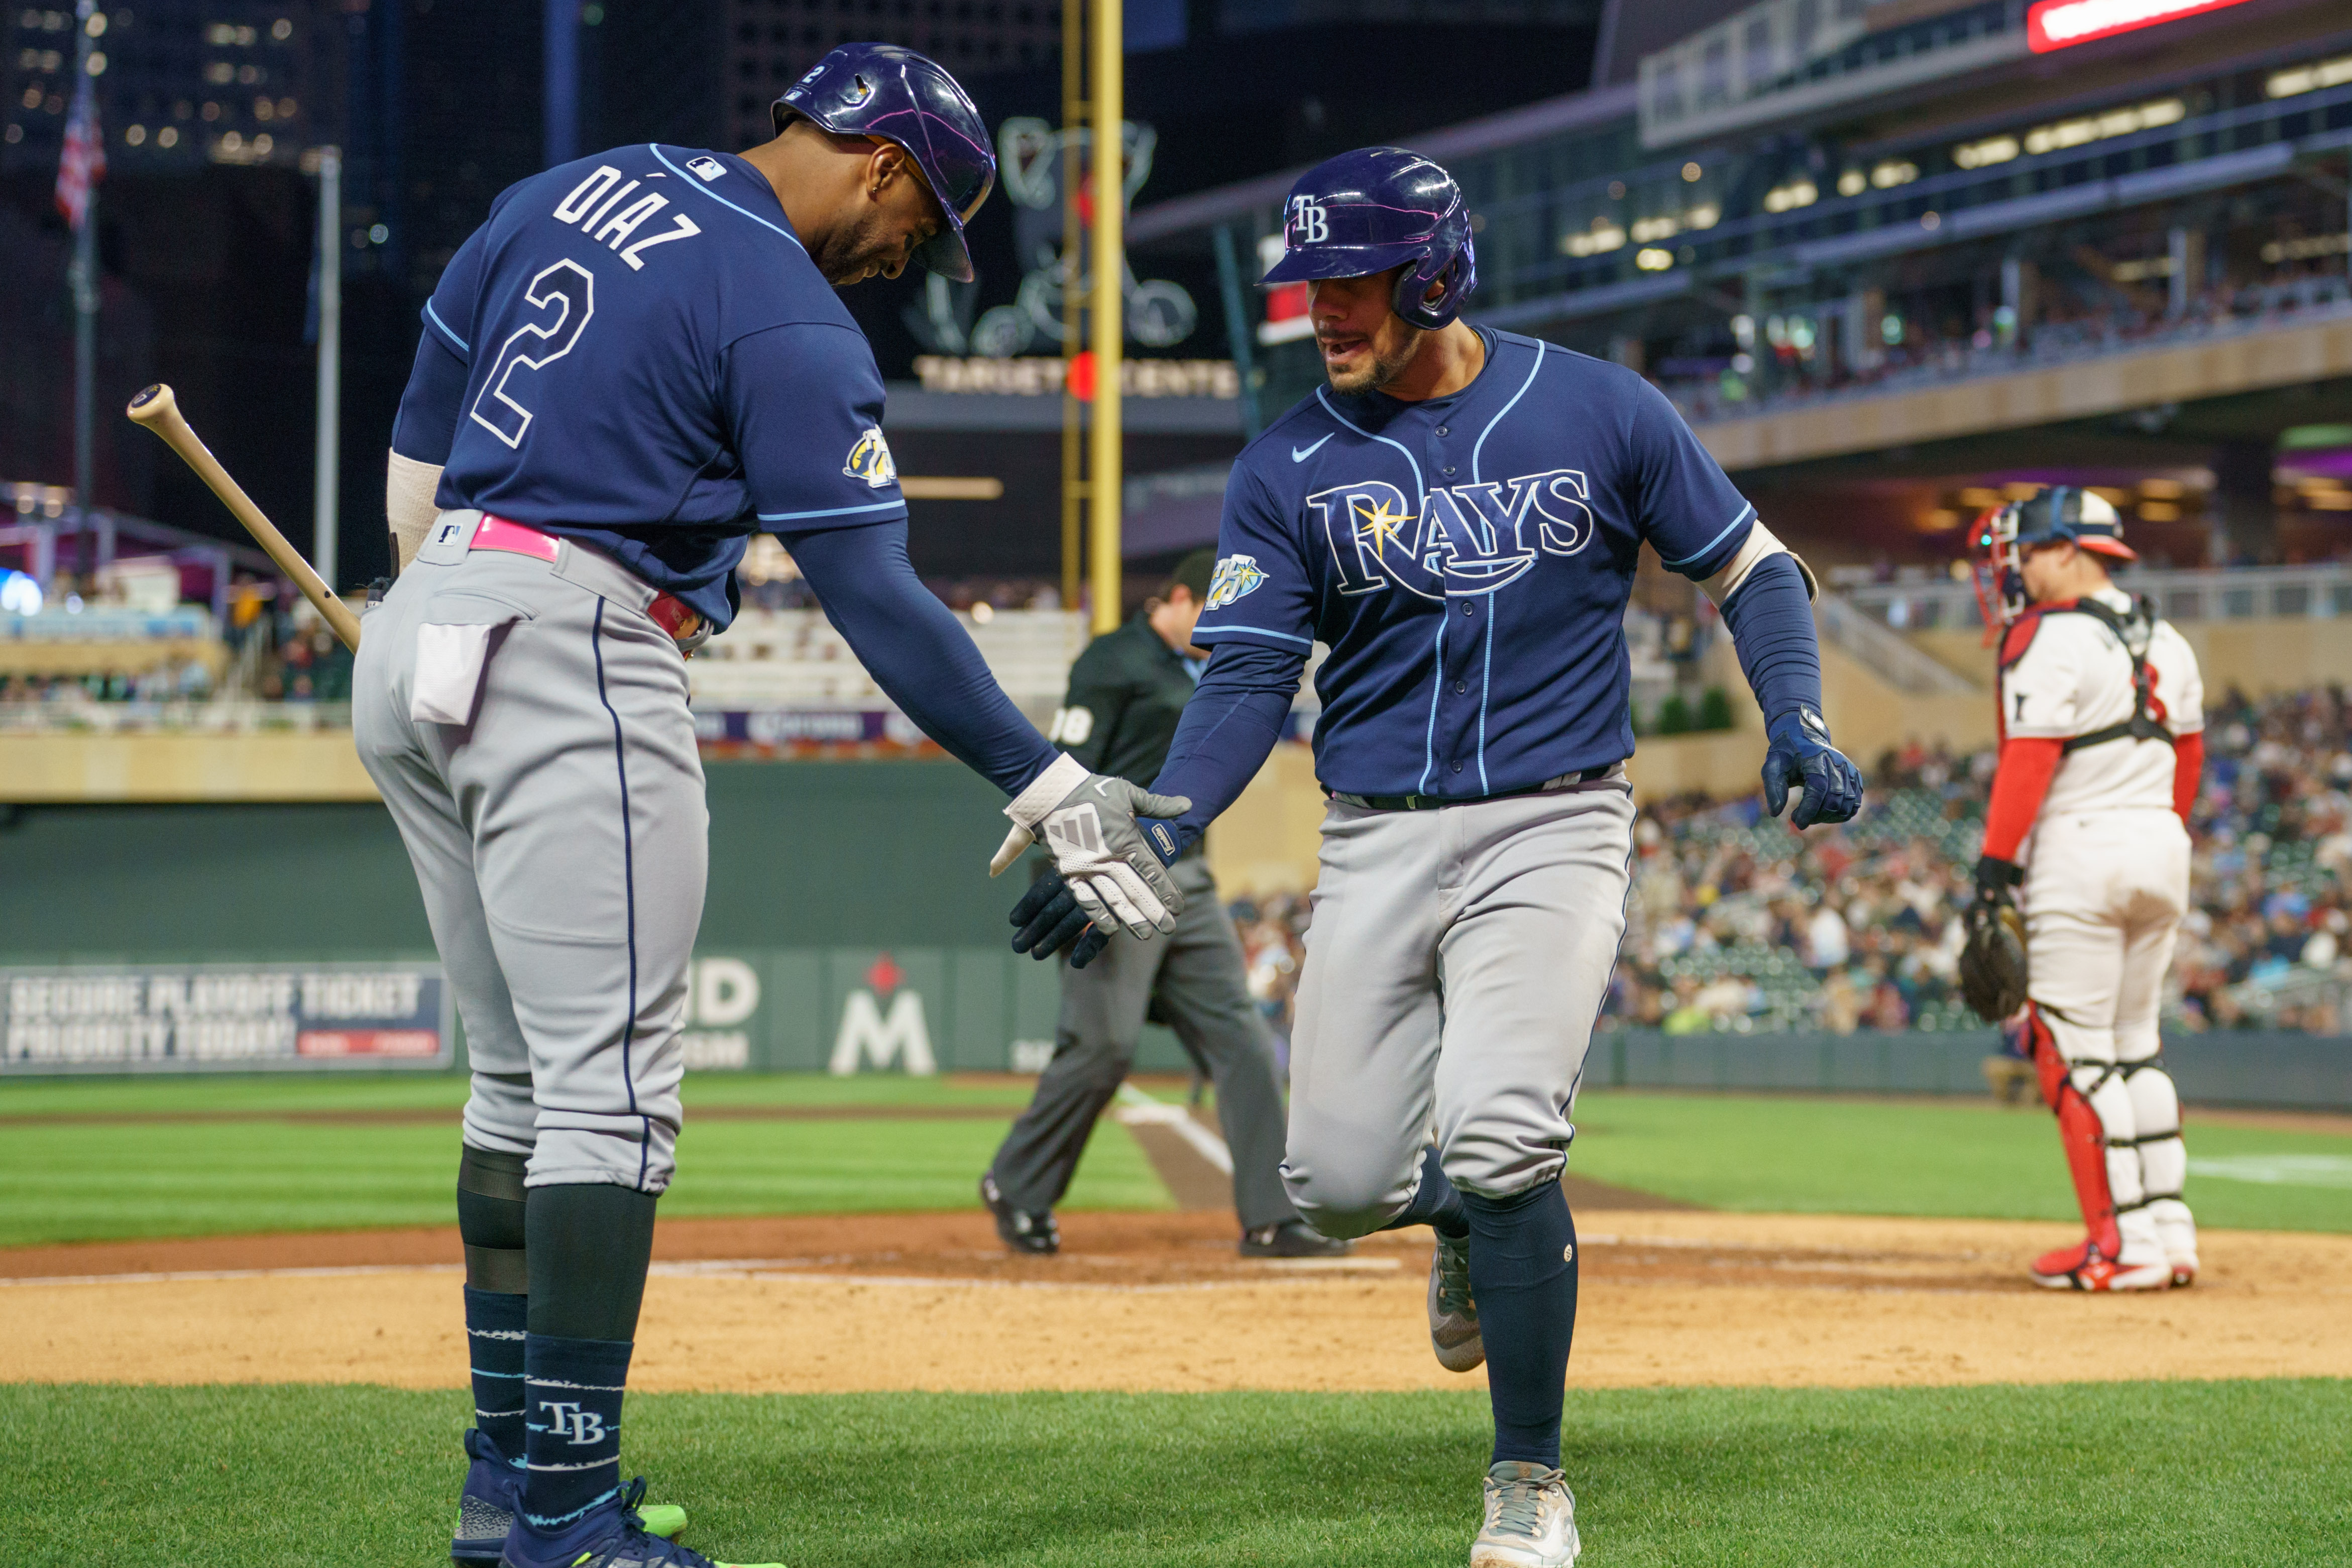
1126	692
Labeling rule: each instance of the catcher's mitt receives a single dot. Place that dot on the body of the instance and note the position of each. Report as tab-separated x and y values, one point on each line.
1993	961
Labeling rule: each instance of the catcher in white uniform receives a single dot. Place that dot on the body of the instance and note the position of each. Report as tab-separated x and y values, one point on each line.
2101	723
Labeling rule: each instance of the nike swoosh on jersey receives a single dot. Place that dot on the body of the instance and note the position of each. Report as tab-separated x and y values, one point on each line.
1298	455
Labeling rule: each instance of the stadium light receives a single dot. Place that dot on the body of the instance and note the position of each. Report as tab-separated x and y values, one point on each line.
2063	24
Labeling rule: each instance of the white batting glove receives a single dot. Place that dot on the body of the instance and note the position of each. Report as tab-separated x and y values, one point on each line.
1087	822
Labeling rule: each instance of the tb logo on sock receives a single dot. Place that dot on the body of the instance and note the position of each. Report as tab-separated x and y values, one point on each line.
570	1421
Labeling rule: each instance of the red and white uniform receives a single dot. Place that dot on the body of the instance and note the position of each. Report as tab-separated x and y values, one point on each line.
2099	824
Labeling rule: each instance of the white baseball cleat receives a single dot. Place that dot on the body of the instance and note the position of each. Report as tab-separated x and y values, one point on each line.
1452	1316
1530	1518
2184	1269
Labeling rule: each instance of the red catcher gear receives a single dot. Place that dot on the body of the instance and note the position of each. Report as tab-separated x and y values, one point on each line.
2080	1133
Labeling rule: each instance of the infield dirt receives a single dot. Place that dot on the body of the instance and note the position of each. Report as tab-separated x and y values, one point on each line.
1161	1302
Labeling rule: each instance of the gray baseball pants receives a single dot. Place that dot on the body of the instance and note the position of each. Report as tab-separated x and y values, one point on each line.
1457	959
560	840
1197	972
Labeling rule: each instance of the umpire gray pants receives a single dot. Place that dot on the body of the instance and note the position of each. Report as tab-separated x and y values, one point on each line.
1454	967
1197	973
560	840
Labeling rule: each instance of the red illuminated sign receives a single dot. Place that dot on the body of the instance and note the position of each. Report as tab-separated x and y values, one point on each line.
2063	24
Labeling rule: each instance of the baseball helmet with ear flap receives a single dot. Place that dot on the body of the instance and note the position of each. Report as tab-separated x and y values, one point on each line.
1378	207
910	101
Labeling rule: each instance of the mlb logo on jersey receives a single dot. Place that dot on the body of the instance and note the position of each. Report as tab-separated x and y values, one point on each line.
706	169
1235	577
870	460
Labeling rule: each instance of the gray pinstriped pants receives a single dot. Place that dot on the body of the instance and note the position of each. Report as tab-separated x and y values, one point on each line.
561	845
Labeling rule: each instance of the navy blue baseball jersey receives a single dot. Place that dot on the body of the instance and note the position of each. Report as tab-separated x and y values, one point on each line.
1468	559
654	365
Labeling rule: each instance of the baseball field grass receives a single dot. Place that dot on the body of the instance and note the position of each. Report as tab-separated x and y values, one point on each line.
98	1161
2200	1475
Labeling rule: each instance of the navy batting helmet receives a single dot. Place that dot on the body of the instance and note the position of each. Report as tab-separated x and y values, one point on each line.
1378	207
881	90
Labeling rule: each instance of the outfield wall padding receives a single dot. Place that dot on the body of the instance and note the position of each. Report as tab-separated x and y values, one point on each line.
2238	1067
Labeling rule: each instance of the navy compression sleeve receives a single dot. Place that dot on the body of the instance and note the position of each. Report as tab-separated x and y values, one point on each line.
1230	725
427	424
1771	624
918	652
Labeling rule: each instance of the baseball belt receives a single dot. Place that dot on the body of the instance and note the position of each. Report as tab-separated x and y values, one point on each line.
1603	775
669	611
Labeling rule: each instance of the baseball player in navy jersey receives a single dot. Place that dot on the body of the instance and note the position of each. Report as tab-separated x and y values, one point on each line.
1458	514
638	361
2102	741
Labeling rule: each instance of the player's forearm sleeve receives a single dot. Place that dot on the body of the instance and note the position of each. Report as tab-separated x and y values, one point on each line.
1772	621
2187	770
918	652
2028	763
1229	728
427	423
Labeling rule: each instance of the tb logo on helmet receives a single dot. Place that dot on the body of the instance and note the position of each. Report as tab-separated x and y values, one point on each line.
1309	223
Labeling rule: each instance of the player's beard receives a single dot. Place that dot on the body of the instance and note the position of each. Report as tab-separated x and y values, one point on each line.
870	242
1381	369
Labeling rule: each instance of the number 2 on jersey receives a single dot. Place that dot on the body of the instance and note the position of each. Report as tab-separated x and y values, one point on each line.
570	290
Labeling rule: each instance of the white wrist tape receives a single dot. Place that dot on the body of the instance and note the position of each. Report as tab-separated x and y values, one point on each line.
1047	791
408	486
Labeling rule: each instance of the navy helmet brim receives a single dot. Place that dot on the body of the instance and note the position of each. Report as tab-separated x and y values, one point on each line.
1310	264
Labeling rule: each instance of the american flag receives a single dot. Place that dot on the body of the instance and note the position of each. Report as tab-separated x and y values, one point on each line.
84	163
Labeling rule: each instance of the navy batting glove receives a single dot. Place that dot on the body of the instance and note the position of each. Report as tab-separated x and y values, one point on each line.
1800	753
1049	922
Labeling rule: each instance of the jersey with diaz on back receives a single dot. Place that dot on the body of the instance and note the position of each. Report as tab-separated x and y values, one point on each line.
648	320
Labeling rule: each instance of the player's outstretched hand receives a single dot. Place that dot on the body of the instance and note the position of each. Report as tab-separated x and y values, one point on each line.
1088	822
1801	755
1048	920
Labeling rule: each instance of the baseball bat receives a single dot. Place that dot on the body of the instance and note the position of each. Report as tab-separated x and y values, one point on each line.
158	410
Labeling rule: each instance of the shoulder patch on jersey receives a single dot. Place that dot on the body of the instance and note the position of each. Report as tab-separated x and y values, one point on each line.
706	169
870	460
1235	577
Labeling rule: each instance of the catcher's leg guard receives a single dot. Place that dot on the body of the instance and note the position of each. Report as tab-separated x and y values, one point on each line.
2093	1110
2163	1158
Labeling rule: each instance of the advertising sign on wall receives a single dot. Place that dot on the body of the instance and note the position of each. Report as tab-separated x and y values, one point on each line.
2061	24
233	1017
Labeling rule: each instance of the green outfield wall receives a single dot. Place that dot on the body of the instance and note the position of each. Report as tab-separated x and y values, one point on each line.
818	871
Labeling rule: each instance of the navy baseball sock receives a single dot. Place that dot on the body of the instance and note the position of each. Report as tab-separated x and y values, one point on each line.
494	1329
573	1433
498	1282
1434	1203
1523	1276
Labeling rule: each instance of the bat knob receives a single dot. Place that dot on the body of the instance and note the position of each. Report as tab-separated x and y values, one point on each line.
150	402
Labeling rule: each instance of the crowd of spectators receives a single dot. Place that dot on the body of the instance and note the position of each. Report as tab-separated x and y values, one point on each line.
1937	339
1737	923
187	681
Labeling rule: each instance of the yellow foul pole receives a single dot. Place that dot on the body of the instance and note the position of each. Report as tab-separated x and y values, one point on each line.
1110	305
1074	257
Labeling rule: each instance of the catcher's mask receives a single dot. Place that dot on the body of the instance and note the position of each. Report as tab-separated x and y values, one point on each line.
2005	535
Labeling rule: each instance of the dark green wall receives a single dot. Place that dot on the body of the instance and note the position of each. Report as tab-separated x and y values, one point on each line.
801	854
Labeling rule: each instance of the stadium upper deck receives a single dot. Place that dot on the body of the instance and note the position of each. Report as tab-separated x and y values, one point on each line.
1809	219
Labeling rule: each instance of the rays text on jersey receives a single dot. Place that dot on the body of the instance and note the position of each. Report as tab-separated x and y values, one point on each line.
595	198
1465	540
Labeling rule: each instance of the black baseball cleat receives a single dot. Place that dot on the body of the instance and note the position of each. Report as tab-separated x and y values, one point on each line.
1291	1238
1022	1231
